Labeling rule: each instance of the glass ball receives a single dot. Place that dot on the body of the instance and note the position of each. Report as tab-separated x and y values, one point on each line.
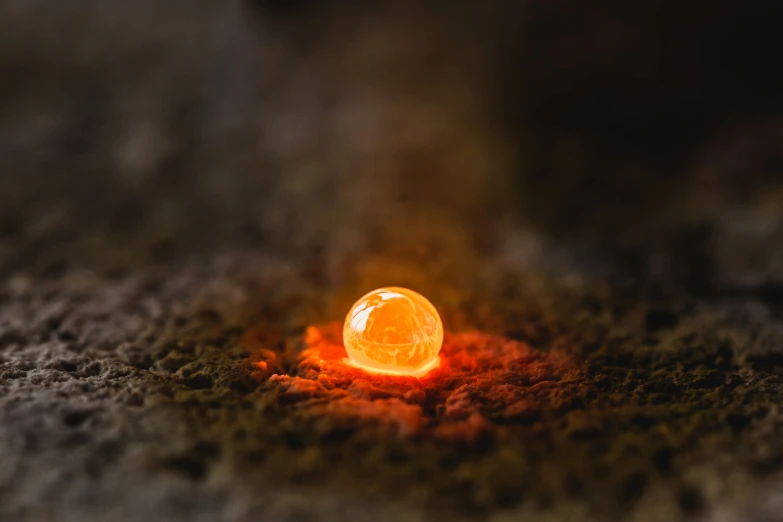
393	330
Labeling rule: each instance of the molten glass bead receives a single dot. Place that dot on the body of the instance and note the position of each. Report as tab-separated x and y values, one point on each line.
393	330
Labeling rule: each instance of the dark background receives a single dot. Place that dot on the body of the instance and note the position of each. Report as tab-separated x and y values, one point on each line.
648	128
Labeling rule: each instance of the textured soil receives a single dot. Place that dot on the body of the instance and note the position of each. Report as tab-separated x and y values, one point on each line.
190	392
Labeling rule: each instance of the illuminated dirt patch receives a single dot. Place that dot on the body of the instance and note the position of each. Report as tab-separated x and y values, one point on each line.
395	331
484	383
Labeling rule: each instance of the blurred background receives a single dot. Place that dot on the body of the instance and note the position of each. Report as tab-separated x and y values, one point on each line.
329	132
602	181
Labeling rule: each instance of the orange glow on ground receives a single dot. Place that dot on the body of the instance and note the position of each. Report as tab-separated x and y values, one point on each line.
393	331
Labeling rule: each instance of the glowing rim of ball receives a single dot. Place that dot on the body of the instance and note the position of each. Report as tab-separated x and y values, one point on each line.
421	371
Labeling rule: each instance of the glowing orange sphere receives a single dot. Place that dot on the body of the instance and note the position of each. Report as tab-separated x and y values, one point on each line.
393	330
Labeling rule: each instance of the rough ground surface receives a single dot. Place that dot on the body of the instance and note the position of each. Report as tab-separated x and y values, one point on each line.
192	197
183	394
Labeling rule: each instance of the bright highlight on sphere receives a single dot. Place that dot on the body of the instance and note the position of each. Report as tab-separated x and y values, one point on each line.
393	330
